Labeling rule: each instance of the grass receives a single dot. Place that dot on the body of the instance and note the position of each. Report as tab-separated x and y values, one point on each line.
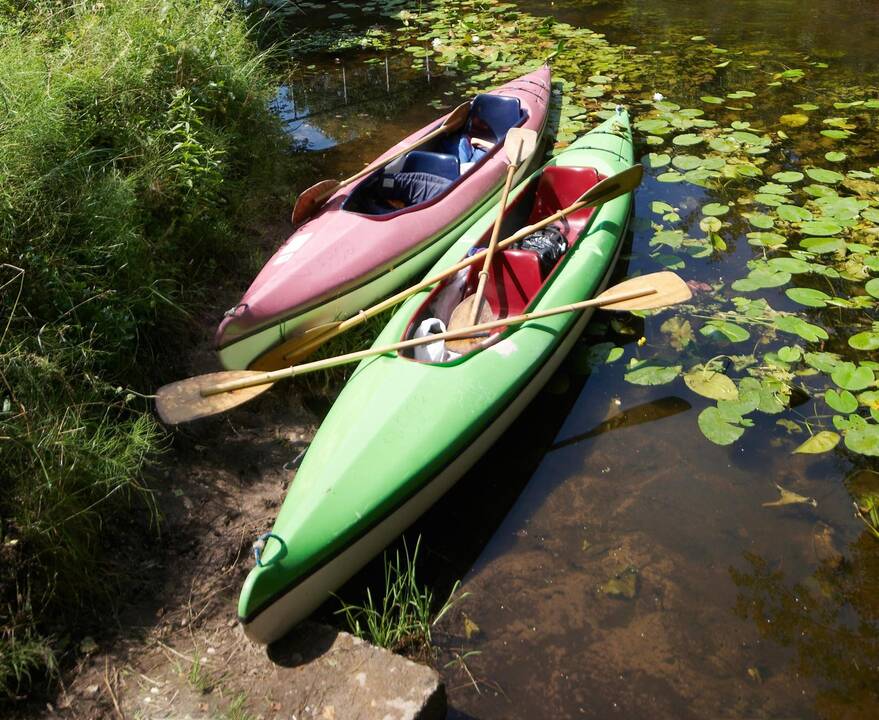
135	143
402	619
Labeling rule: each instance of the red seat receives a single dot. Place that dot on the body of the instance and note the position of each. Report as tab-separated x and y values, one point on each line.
559	187
514	280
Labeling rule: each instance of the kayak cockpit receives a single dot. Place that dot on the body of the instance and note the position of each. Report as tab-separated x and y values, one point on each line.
518	273
425	174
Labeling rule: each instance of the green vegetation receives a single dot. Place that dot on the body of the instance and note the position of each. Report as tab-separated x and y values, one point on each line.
134	137
404	616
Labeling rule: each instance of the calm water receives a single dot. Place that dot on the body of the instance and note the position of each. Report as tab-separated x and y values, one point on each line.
618	563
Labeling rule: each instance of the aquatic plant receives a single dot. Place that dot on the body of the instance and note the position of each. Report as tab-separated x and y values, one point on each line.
403	617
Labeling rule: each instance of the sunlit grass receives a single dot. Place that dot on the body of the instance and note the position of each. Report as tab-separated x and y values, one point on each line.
402	619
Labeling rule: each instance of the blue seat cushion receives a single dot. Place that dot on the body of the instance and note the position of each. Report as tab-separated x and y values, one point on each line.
492	115
441	164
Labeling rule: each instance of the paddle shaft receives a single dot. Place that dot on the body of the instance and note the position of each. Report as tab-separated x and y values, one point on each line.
364	315
275	375
495	232
444	128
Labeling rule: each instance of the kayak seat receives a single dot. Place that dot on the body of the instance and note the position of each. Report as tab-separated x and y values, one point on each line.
459	145
421	177
441	164
514	279
560	187
492	115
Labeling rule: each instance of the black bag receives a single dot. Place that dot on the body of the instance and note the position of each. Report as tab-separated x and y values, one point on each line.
548	243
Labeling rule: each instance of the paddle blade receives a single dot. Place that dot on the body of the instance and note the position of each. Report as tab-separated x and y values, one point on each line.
294	349
311	200
667	289
519	145
614	186
457	117
182	401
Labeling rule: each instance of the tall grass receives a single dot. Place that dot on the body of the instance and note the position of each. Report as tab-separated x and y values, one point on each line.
134	139
403	617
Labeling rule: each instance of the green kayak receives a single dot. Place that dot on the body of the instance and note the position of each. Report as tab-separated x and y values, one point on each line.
407	425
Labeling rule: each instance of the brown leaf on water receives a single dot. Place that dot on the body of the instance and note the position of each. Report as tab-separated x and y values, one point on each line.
786	497
470	628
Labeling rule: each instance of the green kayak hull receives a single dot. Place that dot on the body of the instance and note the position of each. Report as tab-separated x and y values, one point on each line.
402	432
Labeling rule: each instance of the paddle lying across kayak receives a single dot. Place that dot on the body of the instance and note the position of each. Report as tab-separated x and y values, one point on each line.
407	425
371	236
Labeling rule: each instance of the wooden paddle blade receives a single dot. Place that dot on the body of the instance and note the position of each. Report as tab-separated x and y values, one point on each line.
460	318
457	117
290	351
311	200
668	289
614	186
519	145
182	401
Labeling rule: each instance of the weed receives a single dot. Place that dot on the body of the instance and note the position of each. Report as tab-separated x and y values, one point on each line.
403	618
135	137
236	709
199	678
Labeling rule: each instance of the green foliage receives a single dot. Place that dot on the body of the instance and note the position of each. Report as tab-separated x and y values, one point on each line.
134	137
402	619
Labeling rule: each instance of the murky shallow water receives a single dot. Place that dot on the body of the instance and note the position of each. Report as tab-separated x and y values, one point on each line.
619	563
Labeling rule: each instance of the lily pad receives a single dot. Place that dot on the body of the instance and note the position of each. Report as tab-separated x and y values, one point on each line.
648	374
729	330
843	402
872	287
820	175
797	326
808	297
863	440
835	156
819	443
711	384
794	120
794	213
822	228
715	209
865	341
687	139
717	428
788	177
849	376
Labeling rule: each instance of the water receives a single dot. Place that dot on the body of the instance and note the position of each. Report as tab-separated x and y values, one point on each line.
619	563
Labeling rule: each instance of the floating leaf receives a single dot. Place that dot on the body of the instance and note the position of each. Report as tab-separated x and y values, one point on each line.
731	331
710	224
687	139
658	160
843	402
797	326
794	119
660	208
808	297
852	377
791	265
872	287
760	277
647	374
821	228
834	156
863	440
766	239
711	384
865	341
717	428
794	213
711	99
715	209
788	177
821	175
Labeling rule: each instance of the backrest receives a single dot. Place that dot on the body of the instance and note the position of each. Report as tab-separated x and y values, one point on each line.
492	115
441	164
515	278
560	187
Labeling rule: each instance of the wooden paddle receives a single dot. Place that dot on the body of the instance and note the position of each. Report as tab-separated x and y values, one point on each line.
300	346
311	199
519	144
205	395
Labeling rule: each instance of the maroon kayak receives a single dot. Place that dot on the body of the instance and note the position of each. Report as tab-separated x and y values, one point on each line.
373	236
